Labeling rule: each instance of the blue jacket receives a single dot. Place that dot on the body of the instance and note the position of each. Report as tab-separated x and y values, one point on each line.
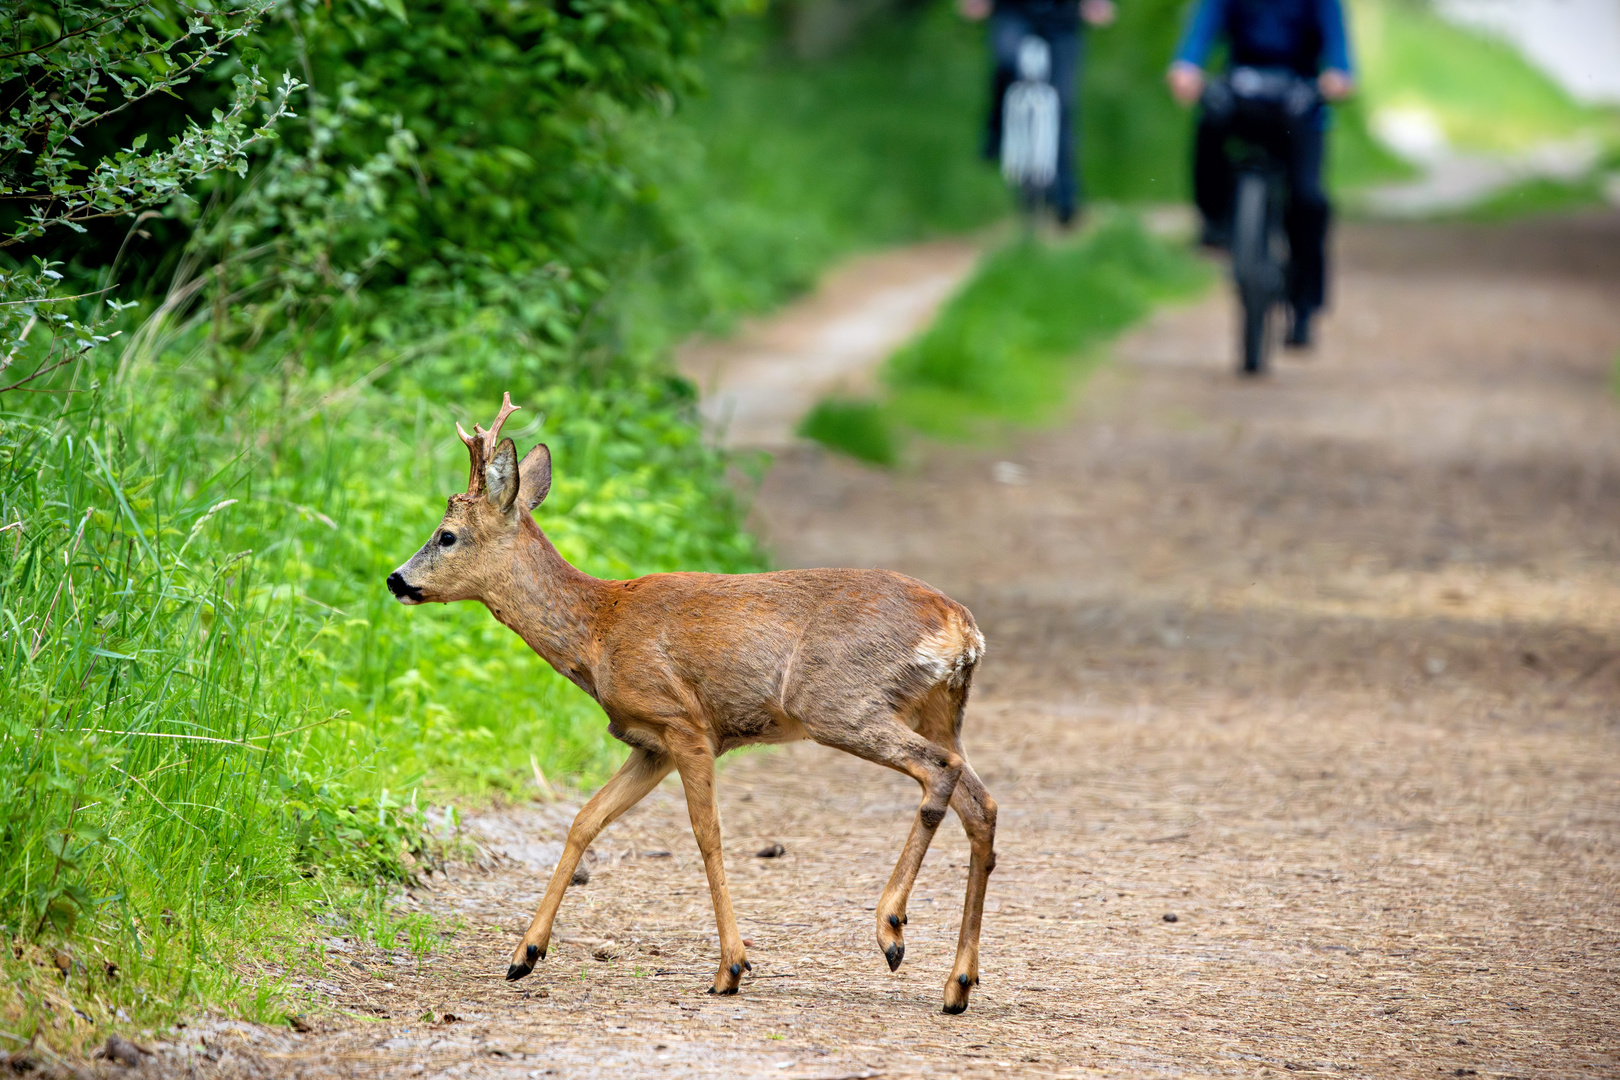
1304	36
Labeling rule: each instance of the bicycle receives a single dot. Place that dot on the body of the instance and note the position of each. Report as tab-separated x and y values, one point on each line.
1031	113
1261	103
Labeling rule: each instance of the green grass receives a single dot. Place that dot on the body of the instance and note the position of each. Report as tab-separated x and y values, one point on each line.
860	429
1533	197
213	708
1009	348
1482	92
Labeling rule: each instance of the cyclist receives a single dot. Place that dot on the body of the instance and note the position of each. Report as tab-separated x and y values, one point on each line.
1058	23
1307	38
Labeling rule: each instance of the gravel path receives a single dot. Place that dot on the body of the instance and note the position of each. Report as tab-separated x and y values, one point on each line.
1301	709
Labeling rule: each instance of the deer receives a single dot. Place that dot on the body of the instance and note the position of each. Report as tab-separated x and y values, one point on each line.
687	666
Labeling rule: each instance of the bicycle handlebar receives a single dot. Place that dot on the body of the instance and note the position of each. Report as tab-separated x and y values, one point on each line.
1280	88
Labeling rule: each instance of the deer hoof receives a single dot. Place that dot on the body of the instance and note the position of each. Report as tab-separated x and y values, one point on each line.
517	971
956	994
894	954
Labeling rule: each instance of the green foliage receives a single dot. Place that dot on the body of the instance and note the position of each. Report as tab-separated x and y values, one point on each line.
1134	138
1480	90
784	164
72	69
1007	348
72	66
509	108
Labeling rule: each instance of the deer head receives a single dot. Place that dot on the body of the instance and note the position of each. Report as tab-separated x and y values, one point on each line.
462	558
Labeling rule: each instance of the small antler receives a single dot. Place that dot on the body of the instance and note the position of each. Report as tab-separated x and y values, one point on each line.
481	444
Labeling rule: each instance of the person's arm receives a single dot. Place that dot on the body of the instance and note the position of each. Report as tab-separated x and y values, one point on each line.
1338	78
1206	24
1186	74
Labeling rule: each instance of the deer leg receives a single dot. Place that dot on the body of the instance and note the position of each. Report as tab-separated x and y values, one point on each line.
636	777
936	768
977	810
697	777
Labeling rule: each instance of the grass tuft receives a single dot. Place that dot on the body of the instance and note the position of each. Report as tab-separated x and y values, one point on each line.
858	429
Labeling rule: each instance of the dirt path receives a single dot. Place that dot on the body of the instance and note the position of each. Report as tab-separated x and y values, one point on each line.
1326	667
758	384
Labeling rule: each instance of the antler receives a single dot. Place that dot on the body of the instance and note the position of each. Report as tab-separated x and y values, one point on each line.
481	444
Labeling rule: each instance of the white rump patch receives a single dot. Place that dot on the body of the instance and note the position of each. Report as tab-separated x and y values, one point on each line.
950	652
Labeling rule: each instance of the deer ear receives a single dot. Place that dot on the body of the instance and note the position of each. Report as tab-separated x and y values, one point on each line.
535	472
501	476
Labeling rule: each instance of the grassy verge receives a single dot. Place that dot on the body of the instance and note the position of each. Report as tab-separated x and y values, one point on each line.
1539	196
1008	349
217	726
1480	91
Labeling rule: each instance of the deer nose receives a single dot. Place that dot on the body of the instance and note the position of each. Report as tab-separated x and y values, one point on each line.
402	589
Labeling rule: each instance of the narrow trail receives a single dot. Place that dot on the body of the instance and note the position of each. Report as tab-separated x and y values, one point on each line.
758	384
1327	667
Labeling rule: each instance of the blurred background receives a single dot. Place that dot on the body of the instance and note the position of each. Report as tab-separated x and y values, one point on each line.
222	422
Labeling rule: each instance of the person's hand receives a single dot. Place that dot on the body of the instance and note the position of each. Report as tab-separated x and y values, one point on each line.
1335	85
973	10
1186	81
1098	12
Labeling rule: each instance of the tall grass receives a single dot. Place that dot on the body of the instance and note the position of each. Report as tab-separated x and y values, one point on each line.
215	720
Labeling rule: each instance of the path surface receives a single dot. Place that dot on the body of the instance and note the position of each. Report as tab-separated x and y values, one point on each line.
1327	667
758	384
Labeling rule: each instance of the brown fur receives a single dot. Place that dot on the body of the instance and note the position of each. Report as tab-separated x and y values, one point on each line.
688	666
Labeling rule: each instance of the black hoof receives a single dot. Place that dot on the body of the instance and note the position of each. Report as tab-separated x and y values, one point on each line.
954	1010
724	993
894	954
517	971
533	953
747	966
736	970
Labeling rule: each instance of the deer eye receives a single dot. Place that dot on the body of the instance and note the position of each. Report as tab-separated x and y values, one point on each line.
447	538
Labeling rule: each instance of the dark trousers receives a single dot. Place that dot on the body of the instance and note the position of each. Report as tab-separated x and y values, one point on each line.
1009	27
1299	146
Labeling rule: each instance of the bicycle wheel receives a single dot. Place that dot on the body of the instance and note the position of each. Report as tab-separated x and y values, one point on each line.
1253	270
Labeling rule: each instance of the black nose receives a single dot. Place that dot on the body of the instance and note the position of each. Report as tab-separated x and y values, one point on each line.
402	589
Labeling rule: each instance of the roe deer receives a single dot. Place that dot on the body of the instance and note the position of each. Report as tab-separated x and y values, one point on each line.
688	666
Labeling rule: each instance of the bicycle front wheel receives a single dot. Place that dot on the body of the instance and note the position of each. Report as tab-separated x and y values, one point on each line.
1253	270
